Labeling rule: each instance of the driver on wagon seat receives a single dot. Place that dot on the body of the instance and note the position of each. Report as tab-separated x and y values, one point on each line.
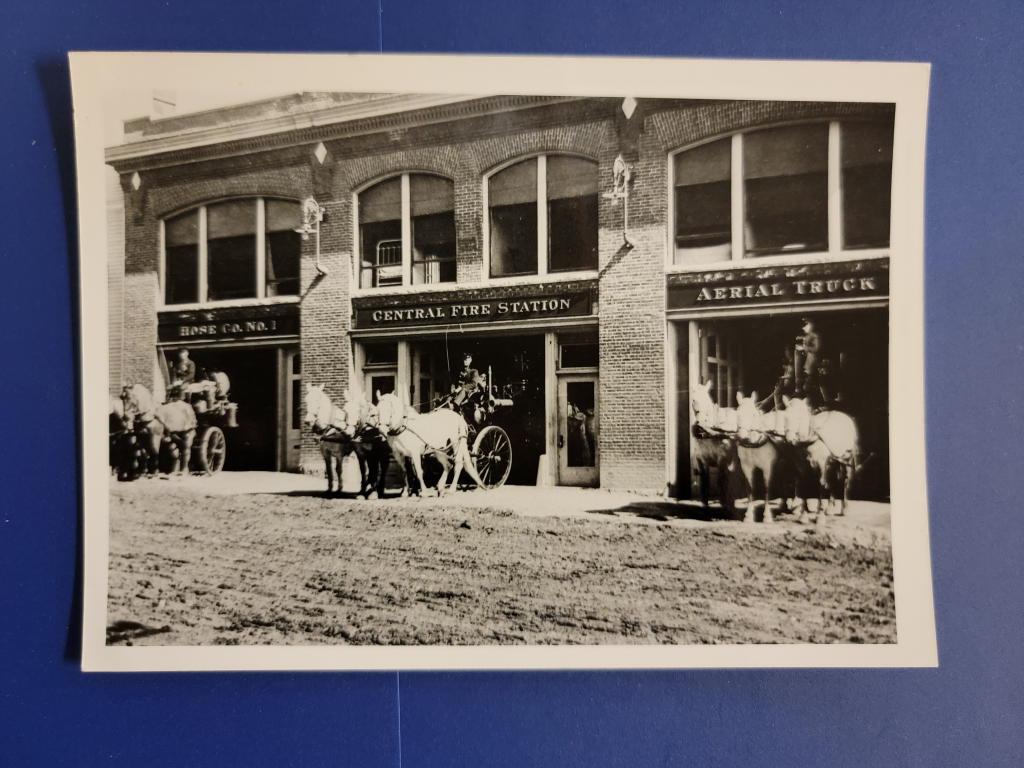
468	384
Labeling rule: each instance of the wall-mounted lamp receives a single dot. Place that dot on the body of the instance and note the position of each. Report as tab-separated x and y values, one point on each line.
623	180
312	215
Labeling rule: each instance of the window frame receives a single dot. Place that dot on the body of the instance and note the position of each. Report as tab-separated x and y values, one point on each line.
406	236
543	273
202	262
739	258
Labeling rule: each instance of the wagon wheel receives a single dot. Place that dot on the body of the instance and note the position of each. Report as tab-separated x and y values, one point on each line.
492	456
211	451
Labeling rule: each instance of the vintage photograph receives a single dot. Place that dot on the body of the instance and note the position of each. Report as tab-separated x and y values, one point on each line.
407	368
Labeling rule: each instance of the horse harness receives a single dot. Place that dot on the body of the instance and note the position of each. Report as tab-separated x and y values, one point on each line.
446	451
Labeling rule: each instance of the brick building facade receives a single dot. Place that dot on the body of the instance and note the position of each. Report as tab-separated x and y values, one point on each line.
623	326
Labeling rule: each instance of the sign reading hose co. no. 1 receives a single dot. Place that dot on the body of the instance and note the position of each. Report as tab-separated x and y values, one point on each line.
463	311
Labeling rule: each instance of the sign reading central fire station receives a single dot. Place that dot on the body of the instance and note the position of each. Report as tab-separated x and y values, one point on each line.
475	311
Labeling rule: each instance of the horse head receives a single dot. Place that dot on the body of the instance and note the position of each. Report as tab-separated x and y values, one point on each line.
391	413
749	418
356	414
704	408
797	417
137	403
317	408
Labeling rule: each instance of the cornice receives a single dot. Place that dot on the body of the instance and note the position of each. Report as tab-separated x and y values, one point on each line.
343	121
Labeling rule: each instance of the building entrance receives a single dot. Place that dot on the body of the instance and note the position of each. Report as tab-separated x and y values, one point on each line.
511	366
837	359
265	413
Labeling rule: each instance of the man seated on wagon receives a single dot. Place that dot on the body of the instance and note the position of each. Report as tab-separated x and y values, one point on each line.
468	393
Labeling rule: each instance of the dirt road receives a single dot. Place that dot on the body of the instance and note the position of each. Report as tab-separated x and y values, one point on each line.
193	569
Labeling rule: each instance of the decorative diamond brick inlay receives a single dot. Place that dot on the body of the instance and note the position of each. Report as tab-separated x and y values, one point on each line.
320	153
136	181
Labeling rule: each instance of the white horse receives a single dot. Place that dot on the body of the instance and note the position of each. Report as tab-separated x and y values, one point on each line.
327	422
830	443
712	443
411	435
756	451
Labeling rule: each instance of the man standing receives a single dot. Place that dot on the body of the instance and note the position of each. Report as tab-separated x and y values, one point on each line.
809	345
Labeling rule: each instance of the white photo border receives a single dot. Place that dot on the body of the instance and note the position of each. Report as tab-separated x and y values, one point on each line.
903	84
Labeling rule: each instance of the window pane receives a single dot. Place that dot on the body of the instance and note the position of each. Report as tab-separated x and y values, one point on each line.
283	247
380	234
580	355
703	203
381	354
866	150
786	184
572	213
512	197
384	384
231	250
181	254
432	200
581	441
296	404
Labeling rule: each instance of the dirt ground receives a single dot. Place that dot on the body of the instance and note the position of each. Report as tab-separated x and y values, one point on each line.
188	567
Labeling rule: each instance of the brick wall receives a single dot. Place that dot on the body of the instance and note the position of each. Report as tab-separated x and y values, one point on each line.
115	281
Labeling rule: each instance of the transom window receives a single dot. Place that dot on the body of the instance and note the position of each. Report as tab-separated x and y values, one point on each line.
407	231
236	249
542	216
809	188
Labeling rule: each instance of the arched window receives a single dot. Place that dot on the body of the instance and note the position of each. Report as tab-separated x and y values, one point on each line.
407	231
807	188
542	216
235	249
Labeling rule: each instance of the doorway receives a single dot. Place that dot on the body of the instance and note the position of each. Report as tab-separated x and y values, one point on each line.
578	429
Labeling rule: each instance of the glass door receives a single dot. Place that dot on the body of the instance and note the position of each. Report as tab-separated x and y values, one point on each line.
293	410
578	429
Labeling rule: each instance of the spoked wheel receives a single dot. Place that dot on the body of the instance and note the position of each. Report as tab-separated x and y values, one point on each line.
492	456
211	451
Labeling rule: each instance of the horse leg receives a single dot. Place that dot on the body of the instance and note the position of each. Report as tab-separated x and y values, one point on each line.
766	474
748	475
186	452
153	453
847	482
724	472
702	470
820	476
328	468
363	487
417	465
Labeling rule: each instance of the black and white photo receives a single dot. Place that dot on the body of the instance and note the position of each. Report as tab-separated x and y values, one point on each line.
424	362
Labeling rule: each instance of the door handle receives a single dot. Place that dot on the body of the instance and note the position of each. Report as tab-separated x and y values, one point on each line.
561	441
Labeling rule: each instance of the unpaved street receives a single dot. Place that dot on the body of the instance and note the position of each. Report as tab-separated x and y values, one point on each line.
187	567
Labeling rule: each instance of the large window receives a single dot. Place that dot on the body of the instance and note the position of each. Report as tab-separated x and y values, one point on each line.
702	201
181	258
543	216
785	179
407	231
810	188
232	250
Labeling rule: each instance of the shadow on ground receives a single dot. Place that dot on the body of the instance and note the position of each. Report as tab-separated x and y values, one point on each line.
664	511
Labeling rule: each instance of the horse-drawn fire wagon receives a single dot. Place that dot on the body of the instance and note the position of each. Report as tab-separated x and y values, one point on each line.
146	437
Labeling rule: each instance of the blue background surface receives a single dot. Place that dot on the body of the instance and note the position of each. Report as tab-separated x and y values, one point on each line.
967	711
